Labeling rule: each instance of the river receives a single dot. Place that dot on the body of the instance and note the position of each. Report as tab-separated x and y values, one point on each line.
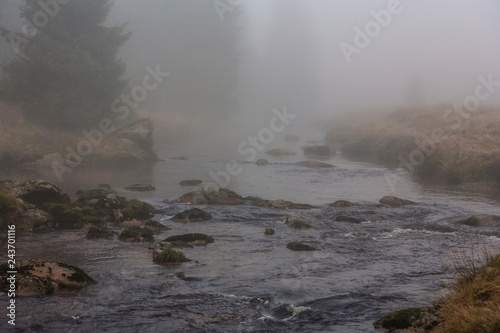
245	280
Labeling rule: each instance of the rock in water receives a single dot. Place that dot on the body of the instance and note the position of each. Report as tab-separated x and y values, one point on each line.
483	220
141	188
262	162
190	182
341	204
36	192
136	234
192	215
190	239
221	197
43	277
297	246
314	164
169	256
395	201
280	152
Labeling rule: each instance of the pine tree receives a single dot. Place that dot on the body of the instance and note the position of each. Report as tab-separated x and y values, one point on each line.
69	71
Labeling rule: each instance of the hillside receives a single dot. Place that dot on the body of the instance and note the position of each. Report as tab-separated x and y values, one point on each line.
436	143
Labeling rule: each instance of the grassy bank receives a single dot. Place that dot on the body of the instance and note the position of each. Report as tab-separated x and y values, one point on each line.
435	143
471	305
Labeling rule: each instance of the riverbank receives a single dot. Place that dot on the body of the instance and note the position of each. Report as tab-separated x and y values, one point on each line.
28	145
472	303
437	144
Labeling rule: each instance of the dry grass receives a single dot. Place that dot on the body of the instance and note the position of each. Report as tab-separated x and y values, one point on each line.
26	141
473	302
469	152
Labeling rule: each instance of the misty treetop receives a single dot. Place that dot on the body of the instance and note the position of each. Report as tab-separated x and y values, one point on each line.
68	72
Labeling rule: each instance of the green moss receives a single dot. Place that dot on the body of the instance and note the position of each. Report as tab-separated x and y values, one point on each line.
72	216
79	275
171	256
192	215
407	318
96	233
190	238
136	234
135	209
269	231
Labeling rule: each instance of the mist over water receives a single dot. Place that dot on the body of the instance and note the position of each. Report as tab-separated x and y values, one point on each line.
238	78
227	75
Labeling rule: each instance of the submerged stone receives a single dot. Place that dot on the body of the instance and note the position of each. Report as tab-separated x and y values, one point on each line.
169	256
192	215
141	187
297	246
395	201
191	182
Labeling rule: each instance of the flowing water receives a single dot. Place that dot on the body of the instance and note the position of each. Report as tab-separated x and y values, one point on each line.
247	281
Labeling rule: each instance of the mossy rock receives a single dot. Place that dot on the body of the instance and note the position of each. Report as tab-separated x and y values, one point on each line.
71	216
169	256
269	231
97	233
297	224
192	215
189	238
43	277
38	192
190	182
297	246
395	201
94	194
111	201
407	318
136	234
136	209
154	226
141	188
8	209
342	204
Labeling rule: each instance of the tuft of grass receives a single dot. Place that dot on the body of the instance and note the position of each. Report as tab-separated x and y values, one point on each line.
473	302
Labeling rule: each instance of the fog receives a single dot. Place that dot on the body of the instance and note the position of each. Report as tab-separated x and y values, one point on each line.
230	66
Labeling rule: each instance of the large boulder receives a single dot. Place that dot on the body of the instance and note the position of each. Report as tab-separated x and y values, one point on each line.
140	132
395	201
43	277
23	215
278	152
36	192
483	220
